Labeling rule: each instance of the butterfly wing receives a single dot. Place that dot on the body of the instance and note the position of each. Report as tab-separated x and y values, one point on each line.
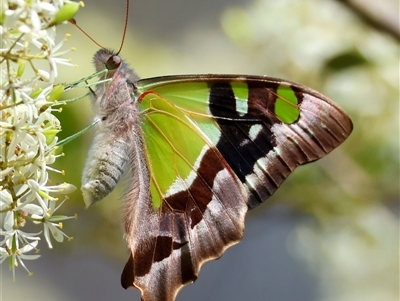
215	146
263	127
197	205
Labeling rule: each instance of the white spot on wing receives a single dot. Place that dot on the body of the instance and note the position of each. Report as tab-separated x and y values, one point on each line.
241	106
252	181
211	131
182	184
255	130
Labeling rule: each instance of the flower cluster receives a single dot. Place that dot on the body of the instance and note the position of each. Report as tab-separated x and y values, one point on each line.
28	128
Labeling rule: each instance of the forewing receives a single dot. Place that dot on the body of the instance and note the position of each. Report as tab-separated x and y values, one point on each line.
263	127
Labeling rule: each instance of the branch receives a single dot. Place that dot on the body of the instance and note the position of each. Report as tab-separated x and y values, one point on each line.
382	15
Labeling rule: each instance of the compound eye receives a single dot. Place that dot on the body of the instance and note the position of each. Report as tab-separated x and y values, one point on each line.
113	62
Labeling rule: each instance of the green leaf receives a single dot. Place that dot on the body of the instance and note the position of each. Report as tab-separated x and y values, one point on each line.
345	60
56	93
67	12
36	93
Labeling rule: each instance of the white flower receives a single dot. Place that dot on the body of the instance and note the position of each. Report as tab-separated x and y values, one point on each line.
28	128
17	254
52	224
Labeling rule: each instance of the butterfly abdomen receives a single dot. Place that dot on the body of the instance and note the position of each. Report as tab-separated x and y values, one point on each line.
105	167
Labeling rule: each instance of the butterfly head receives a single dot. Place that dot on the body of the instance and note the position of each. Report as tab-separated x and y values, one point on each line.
108	59
113	62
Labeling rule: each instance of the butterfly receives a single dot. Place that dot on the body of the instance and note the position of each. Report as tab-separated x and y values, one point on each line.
199	151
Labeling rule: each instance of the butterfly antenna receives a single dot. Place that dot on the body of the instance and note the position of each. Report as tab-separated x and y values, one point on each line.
73	21
125	26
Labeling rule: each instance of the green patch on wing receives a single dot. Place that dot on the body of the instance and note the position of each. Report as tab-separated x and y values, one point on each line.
191	96
173	141
286	108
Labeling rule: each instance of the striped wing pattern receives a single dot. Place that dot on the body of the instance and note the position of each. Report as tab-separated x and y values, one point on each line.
215	147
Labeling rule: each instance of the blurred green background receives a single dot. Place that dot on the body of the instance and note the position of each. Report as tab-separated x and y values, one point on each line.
331	232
